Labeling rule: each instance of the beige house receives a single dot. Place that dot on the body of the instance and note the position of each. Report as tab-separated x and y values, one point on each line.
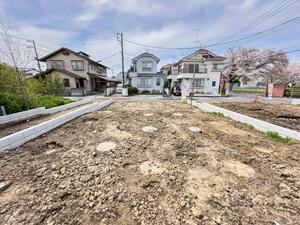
208	68
81	75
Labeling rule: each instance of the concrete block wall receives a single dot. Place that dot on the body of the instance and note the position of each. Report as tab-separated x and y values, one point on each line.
41	111
21	115
21	137
258	124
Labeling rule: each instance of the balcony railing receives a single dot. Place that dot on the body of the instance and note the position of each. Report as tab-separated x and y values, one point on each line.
186	70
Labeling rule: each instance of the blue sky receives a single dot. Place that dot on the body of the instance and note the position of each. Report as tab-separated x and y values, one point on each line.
91	25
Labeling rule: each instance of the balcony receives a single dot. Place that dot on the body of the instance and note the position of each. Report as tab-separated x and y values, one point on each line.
186	70
217	70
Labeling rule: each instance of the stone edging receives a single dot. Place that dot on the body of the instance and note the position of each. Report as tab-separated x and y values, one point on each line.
21	137
258	124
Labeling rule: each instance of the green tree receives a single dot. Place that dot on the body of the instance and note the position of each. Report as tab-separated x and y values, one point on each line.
37	92
10	93
52	85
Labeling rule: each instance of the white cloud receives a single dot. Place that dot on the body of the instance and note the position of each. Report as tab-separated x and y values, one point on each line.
176	34
52	38
176	28
93	9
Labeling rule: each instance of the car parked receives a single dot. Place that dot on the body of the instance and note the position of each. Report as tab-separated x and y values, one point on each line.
176	91
119	88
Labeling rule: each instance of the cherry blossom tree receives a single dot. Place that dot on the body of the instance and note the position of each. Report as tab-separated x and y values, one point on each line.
293	73
271	66
240	64
252	64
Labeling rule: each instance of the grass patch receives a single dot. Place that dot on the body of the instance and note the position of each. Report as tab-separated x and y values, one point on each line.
275	136
49	101
295	91
248	126
258	91
216	114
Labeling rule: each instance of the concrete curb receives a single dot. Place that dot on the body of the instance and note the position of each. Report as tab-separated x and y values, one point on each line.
41	111
21	137
21	115
295	101
258	124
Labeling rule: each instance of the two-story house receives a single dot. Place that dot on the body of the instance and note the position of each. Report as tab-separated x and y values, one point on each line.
143	74
81	75
208	68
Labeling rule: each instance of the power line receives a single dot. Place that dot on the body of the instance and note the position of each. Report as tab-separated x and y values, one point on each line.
108	57
281	25
269	14
277	54
21	38
158	47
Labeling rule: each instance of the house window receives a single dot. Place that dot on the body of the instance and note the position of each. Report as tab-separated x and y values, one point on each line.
191	68
157	81
144	82
174	71
218	66
146	66
57	64
66	82
199	83
215	66
77	65
213	83
99	69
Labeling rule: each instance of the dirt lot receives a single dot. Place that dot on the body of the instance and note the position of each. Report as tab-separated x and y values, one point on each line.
283	115
225	174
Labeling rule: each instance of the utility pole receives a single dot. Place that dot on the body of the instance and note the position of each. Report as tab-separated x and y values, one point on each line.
194	73
122	53
194	70
36	54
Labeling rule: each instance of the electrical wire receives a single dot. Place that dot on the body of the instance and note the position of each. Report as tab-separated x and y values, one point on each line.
269	14
108	57
285	23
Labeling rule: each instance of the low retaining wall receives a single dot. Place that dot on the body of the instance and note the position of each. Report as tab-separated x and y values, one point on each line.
70	105
22	115
258	124
41	111
295	101
21	137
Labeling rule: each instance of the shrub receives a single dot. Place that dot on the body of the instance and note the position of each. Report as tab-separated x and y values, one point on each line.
12	103
15	99
132	90
51	85
275	136
49	101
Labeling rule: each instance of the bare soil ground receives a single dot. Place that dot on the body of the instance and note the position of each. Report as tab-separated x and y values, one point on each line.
283	115
225	174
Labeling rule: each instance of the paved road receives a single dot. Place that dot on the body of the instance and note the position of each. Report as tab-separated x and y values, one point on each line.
233	98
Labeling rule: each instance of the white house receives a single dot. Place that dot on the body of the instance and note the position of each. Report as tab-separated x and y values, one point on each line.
144	75
208	68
